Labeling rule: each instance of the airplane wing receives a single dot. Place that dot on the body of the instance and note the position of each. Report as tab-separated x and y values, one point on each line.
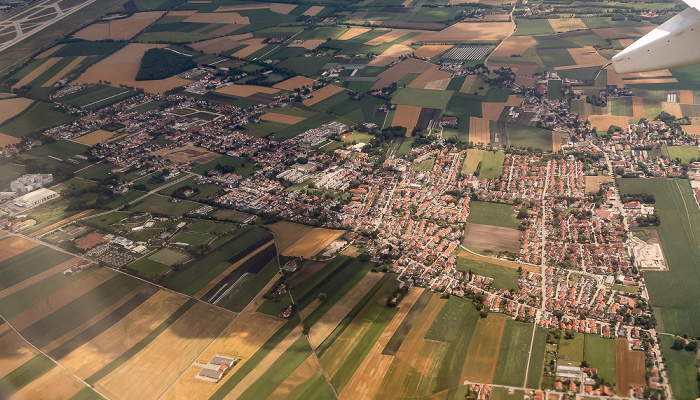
674	43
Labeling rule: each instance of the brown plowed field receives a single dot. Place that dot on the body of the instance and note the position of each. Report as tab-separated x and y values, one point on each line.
492	237
479	130
637	107
50	51
296	240
603	122
513	45
14	245
557	140
68	68
122	67
282	8
313	10
185	154
398	71
296	82
492	110
252	45
431	50
587	56
62	385
330	320
119	29
216	46
113	342
614	78
61	298
480	364
671	108
431	75
283	118
468	31
406	116
95	137
246	90
391	54
14	351
626	42
38	277
633	373
353	32
686	97
11	107
154	369
322	94
367	380
36	72
242	7
692	130
245	336
6	140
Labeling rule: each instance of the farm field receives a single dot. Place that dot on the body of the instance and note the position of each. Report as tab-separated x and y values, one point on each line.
681	368
503	277
492	238
482	356
632	366
492	165
600	353
297	240
495	214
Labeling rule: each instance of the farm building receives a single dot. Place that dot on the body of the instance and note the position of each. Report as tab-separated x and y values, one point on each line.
211	373
567	372
35	198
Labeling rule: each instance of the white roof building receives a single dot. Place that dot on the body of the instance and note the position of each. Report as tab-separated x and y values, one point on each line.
35	198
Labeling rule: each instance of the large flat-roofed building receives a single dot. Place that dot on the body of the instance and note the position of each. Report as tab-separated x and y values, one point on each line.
30	182
35	198
568	372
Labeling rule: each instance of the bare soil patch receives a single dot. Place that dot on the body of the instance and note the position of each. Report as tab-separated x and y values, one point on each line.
492	110
322	94
431	75
468	31
283	118
296	82
185	154
431	50
492	237
307	272
671	108
122	67
296	240
313	10
513	45
692	130
282	8
216	46
587	56
49	52
686	97
631	367
391	54
479	130
95	137
626	42
246	90
252	45
13	246
36	72
398	71
6	140
557	138
308	44
482	356
637	107
406	116
119	29
11	107
614	78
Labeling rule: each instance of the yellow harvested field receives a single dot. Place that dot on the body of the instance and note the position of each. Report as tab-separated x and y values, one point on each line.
441	84
686	97
241	339
296	240
120	337
296	82
343	346
567	24
503	263
390	36
313	10
13	246
96	137
587	56
184	154
10	108
282	8
480	364
119	29
495	17
479	130
603	122
38	277
61	298
492	111
513	45
626	42
307	370
671	108
122	67
414	358
265	363
36	72
181	13
252	45
246	90
63	386
431	75
59	223
593	182
406	116
353	32
468	83
68	68
14	351
472	160
230	269
398	71
95	319
49	52
308	44
154	369
217	45
322	94
218	18
692	130
431	50
637	107
660	76
557	138
367	380
468	31
330	320
283	118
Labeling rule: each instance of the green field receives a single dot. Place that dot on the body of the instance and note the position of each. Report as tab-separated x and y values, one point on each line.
681	368
495	214
39	117
600	353
162	205
25	374
149	268
513	355
422	97
97	96
503	277
248	287
529	136
29	263
194	239
492	164
537	359
62	149
571	351
679	230
684	153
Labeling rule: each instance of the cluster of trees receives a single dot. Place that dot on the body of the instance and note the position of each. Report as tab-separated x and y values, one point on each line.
682	344
179	193
649	220
646	198
162	63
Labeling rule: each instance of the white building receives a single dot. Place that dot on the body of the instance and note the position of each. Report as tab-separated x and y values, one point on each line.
35	198
30	182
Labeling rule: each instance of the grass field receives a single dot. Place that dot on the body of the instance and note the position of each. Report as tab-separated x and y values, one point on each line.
242	167
600	353
38	118
681	369
62	149
492	164
680	228
422	97
162	205
527	27
503	277
512	357
685	153
571	351
495	214
537	359
97	96
529	136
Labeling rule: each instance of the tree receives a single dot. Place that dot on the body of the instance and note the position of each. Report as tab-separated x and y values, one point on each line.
678	344
322	296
